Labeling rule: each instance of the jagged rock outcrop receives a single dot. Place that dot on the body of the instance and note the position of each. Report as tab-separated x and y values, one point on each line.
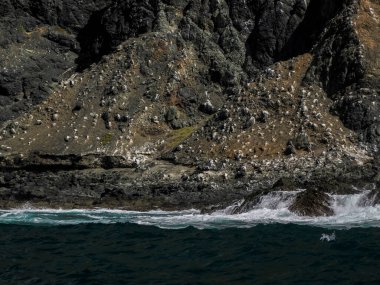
109	27
232	37
312	203
344	65
229	86
38	47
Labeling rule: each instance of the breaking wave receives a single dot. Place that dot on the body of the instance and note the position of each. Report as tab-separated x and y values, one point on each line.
350	211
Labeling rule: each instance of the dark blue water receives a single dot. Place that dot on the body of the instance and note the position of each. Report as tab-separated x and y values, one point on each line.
133	254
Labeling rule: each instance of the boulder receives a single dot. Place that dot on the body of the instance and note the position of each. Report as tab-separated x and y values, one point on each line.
312	203
207	108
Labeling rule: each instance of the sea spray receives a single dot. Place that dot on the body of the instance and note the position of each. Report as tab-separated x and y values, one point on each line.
273	208
328	237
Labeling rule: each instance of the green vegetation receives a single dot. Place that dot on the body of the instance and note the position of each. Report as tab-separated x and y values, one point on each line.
178	136
106	139
60	30
20	28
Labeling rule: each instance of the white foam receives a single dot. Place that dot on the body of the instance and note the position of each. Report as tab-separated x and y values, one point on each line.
328	237
350	211
277	200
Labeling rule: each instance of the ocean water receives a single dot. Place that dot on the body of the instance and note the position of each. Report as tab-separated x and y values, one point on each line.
268	245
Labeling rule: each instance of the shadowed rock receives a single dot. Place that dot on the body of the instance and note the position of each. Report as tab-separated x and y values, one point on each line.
249	203
312	203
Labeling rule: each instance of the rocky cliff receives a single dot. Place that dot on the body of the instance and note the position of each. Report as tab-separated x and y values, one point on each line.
193	101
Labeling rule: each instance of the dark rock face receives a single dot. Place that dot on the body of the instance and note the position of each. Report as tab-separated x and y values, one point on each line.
233	37
359	110
312	203
337	62
211	85
37	46
307	33
254	34
108	189
89	181
280	29
107	28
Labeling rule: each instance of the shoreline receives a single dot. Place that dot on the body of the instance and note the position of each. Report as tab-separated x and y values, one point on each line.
158	184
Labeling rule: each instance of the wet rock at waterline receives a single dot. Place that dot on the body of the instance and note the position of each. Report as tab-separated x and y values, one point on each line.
312	203
372	198
302	203
249	203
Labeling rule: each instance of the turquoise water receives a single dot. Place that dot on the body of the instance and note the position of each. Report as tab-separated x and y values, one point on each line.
116	247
